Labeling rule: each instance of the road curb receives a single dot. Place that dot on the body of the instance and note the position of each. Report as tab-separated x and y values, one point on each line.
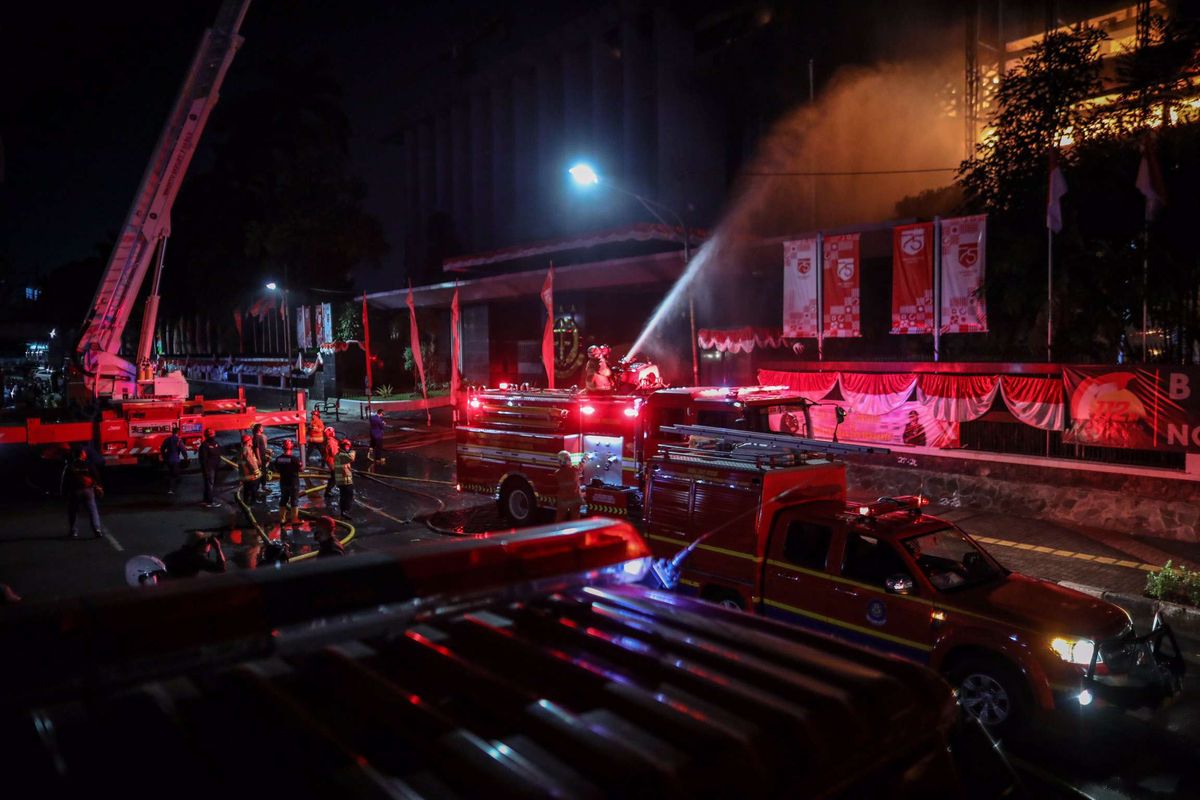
1185	620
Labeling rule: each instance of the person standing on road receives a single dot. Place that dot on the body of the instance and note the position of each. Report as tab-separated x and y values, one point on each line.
174	453
262	451
568	499
378	424
331	453
316	434
249	470
210	462
344	475
81	484
288	467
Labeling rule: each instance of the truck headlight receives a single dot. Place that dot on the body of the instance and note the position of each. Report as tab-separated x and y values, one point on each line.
1074	651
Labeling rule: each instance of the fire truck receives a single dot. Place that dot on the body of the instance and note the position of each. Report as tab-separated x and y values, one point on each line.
509	437
762	522
136	409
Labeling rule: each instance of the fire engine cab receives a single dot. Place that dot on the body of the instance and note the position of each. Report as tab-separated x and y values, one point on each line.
762	522
509	438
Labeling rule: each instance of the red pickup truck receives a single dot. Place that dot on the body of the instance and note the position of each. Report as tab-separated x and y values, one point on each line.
764	528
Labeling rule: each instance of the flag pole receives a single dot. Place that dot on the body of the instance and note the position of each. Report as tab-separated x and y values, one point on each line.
937	288
1145	284
820	261
1049	294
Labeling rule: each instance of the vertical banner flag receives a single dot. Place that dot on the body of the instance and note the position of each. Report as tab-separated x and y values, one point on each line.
840	287
367	347
800	288
1150	181
416	350
455	346
964	248
912	278
237	323
548	333
324	323
1058	187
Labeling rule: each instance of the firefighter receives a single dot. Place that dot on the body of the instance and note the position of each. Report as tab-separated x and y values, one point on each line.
81	485
288	467
174	455
210	462
249	470
262	451
569	498
344	475
316	434
331	452
597	371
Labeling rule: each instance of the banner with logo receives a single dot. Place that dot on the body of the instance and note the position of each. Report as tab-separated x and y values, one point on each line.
800	288
1142	408
840	287
909	424
323	323
964	257
912	278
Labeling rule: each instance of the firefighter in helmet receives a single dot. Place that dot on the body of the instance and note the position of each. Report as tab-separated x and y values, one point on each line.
598	374
568	498
250	470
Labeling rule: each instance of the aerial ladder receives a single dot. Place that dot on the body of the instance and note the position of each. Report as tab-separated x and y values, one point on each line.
143	239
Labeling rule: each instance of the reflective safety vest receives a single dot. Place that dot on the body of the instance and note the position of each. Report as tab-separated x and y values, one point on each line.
343	474
249	465
316	429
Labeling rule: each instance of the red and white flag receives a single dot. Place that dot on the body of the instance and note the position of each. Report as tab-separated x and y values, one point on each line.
912	278
415	337
800	288
1150	181
1058	187
455	346
964	256
548	332
840	287
367	346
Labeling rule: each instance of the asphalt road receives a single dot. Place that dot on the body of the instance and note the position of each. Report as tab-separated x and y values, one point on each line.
1102	753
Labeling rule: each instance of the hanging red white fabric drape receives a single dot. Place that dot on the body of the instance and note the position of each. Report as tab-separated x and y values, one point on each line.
877	394
957	398
1035	401
812	386
739	340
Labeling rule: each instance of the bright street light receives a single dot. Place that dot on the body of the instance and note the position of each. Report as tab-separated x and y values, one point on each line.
271	286
584	175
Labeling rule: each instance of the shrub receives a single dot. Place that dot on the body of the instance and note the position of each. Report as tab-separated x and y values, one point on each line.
384	391
1174	584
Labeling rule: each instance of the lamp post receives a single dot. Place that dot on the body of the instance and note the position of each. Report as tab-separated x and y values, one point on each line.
586	176
287	314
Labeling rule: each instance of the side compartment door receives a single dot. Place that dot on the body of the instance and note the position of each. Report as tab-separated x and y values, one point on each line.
796	581
867	612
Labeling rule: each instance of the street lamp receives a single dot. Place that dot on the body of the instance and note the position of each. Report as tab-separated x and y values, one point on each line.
287	316
271	286
585	176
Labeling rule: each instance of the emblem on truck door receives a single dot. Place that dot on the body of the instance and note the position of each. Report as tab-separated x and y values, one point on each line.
877	612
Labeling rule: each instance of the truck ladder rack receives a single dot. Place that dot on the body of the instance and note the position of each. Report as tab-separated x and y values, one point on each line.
782	441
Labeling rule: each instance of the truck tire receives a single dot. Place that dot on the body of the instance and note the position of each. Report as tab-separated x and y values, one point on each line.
992	691
723	597
518	504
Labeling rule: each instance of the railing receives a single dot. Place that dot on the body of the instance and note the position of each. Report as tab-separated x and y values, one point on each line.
1016	439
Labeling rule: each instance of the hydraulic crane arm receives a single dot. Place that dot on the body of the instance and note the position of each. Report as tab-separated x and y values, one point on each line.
149	220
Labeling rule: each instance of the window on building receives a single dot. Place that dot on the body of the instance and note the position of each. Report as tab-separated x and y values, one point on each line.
32	293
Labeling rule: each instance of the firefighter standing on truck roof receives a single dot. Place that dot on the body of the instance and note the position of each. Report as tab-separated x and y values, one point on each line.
568	498
331	451
597	371
344	475
316	434
210	462
288	467
249	470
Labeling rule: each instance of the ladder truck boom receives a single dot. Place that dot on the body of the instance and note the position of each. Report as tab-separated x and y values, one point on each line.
148	223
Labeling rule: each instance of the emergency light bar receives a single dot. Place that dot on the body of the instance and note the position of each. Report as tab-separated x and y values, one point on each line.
913	503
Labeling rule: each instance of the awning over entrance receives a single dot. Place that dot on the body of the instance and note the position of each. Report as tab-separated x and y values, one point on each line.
658	269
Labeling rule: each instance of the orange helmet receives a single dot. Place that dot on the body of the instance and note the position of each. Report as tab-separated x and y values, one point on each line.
246	439
288	444
346	443
329	431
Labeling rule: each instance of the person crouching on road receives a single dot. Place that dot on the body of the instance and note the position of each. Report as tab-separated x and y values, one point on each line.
200	553
344	474
262	452
210	462
331	453
288	467
81	485
378	424
174	454
569	499
249	470
316	435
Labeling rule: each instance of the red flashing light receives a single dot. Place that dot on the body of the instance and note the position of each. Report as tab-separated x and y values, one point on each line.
911	503
587	411
474	403
632	411
503	384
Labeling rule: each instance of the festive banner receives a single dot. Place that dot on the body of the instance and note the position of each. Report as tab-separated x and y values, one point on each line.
548	331
366	321
912	278
874	393
302	338
964	256
1143	408
237	323
957	398
739	340
810	385
1035	401
415	337
840	287
800	288
908	424
323	325
455	350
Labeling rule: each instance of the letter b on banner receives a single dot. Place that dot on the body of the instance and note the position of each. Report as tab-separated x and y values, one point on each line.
1180	387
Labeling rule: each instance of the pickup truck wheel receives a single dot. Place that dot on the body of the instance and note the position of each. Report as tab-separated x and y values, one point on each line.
517	502
991	691
723	597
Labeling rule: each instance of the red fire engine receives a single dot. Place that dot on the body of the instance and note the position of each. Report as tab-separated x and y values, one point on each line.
509	438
